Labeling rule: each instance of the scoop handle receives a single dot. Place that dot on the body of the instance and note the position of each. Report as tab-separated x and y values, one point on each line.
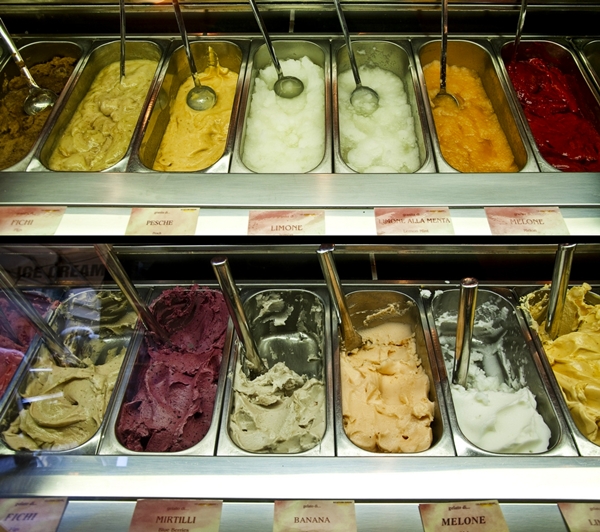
61	353
119	275
464	329
352	338
236	310
14	51
265	34
558	289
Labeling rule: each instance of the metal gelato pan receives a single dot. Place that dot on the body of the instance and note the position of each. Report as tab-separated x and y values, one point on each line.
397	59
538	300
230	55
506	362
104	54
64	409
168	384
589	54
477	55
34	53
371	307
287	411
587	103
301	140
16	334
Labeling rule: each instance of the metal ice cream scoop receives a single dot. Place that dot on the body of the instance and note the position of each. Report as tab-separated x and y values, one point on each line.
38	99
200	97
285	86
443	94
364	99
238	316
119	275
61	353
352	339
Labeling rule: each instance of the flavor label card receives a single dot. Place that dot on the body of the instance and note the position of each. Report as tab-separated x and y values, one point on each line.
162	221
581	517
414	221
475	516
21	221
31	515
526	221
286	223
166	515
305	516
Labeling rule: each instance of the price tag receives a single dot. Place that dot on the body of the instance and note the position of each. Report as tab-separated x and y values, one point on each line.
162	221
286	223
166	515
414	221
312	516
475	516
22	221
581	517
526	221
31	515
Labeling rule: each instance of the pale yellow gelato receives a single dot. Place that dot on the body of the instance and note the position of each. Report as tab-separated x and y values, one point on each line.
385	392
194	140
99	133
574	355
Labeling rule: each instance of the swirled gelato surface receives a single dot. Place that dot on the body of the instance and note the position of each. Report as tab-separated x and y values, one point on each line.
172	394
385	392
63	407
195	140
574	355
101	128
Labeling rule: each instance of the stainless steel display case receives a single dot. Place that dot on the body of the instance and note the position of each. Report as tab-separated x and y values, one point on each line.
387	489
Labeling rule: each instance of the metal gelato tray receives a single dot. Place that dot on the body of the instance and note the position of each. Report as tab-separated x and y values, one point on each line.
289	325
54	295
558	52
317	52
376	305
512	359
541	295
477	55
132	377
50	411
395	57
34	52
232	55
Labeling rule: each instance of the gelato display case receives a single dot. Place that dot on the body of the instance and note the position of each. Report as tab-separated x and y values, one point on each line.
302	430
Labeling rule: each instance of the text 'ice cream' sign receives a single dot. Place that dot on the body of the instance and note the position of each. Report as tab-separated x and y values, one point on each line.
305	516
526	221
475	516
286	223
31	515
414	221
162	221
165	515
22	221
581	516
